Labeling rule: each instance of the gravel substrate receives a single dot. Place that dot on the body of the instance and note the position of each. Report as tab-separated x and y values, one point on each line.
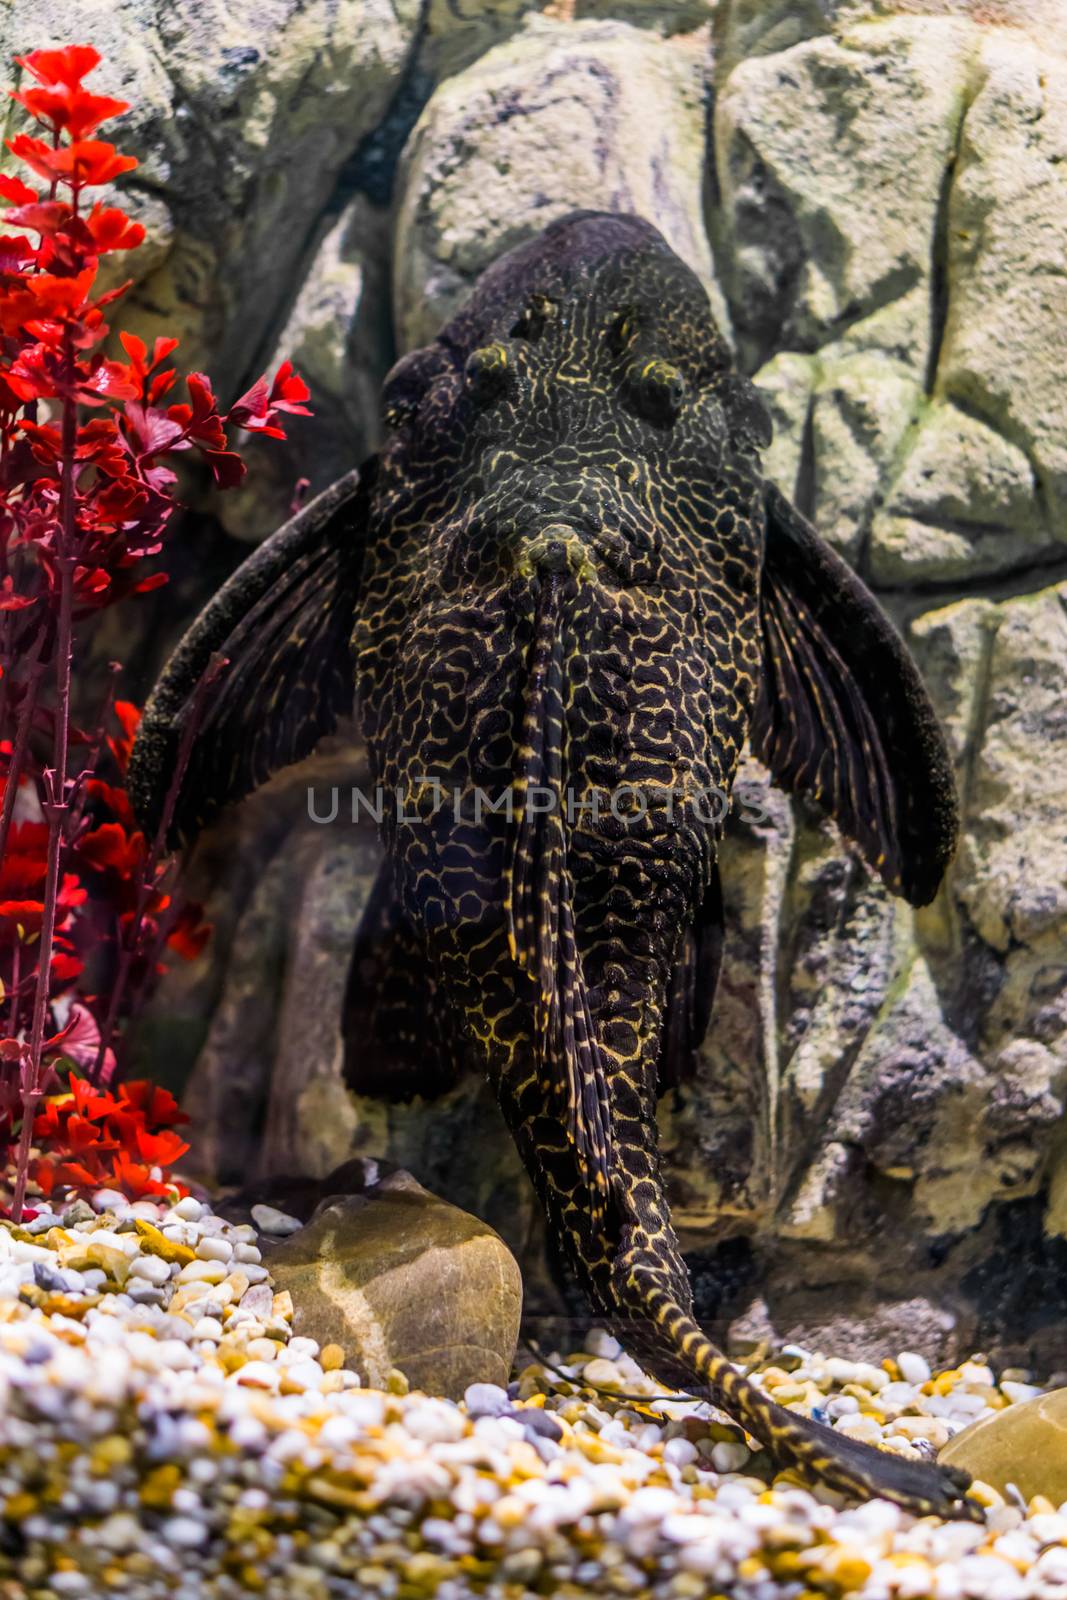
163	1433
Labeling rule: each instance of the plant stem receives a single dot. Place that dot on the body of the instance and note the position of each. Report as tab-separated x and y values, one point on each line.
36	671
55	783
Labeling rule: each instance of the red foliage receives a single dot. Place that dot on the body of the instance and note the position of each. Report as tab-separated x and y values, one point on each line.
86	500
91	1139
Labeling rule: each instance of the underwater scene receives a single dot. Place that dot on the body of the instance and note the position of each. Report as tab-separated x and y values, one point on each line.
533	799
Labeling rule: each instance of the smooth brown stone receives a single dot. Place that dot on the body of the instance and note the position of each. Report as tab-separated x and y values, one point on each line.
1025	1445
399	1278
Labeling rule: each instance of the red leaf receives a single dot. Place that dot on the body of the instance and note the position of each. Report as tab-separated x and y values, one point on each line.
16	254
289	391
109	848
190	936
9	600
86	161
129	717
109	380
45	217
80	1039
158	1106
13	189
251	410
67	66
69	107
112	229
155	580
227	468
155	432
201	420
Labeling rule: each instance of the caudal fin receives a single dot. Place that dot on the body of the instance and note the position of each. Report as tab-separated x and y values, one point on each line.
811	1448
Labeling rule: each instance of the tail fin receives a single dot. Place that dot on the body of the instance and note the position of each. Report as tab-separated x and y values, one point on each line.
813	1449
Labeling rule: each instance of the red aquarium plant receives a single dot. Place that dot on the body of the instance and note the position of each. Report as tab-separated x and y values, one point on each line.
87	494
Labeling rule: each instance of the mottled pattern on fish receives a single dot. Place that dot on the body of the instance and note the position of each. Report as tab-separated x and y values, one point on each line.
565	580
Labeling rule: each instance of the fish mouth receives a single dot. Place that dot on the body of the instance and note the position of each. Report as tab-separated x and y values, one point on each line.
556	551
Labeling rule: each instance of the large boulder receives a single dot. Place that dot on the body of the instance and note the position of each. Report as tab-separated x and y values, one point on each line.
1024	1446
400	1279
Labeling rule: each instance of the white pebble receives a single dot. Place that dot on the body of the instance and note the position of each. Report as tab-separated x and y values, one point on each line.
202	1272
302	1346
214	1248
278	1223
913	1368
306	1373
188	1209
258	1375
486	1400
729	1456
680	1452
153	1268
185	1533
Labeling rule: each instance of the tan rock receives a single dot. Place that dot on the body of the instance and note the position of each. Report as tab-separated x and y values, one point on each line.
1025	1445
398	1278
591	114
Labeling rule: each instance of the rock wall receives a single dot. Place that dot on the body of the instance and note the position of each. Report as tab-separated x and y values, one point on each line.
875	193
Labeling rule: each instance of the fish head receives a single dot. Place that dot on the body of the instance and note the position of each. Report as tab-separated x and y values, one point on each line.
585	388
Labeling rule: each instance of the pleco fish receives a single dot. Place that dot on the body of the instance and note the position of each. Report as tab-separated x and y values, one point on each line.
562	597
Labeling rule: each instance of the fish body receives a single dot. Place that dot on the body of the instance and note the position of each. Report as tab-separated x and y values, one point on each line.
565	598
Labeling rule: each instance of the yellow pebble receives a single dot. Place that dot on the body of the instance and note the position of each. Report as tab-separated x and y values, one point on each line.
110	1452
510	1512
158	1244
848	1568
283	1305
332	1383
331	1356
158	1488
20	1506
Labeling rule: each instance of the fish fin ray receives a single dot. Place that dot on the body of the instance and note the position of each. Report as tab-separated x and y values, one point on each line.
284	622
843	716
691	995
399	1036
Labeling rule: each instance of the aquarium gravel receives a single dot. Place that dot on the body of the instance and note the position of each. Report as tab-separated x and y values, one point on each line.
163	1432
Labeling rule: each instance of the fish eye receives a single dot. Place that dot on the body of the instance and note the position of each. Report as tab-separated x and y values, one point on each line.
623	330
406	385
658	387
486	372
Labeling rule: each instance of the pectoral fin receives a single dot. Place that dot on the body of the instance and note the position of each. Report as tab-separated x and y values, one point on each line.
283	622
843	716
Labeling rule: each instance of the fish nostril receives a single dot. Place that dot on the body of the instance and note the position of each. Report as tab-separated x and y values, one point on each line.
553	557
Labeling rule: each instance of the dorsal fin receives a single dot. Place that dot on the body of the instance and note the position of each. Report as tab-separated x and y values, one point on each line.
539	908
